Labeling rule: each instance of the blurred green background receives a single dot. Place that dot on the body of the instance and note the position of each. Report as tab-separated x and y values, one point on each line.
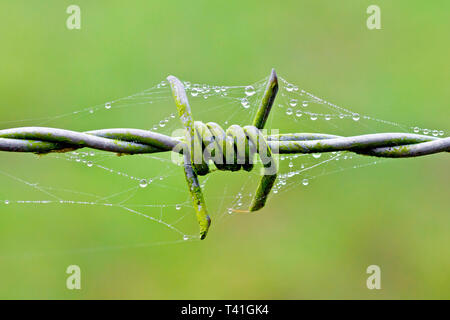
316	243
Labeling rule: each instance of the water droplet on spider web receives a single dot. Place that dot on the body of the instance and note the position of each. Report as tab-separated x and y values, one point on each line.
249	91
290	87
89	164
6	201
305	182
289	111
298	113
305	103
245	103
108	105
185	237
143	183
313	117
355	117
178	207
416	129
293	102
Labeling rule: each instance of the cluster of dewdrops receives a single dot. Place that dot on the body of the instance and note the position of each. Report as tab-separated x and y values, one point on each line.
300	101
434	132
205	90
82	158
238	201
163	122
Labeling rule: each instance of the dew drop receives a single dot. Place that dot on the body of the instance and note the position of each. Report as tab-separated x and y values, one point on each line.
316	155
416	129
230	211
89	164
291	164
178	207
305	103
108	105
249	91
185	237
298	113
245	103
162	123
293	102
305	182
327	117
441	133
313	117
194	93
426	131
6	201
355	117
290	87
143	183
288	111
435	133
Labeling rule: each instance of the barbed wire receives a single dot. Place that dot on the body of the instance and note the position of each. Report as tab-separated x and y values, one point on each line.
42	140
243	141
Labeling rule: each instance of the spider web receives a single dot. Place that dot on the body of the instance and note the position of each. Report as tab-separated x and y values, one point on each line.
152	187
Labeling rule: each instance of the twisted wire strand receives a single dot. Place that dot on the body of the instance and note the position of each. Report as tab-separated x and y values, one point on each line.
43	140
